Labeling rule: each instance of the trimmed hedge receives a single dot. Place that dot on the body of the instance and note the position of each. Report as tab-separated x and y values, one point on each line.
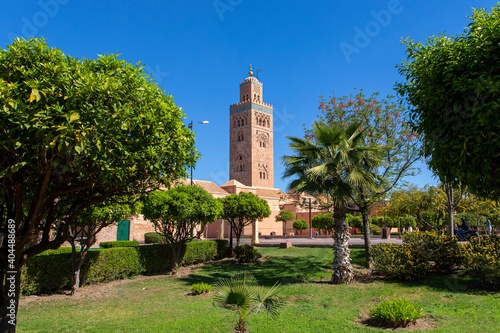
154	238
108	245
47	272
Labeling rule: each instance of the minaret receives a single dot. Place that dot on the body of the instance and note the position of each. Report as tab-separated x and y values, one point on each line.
251	136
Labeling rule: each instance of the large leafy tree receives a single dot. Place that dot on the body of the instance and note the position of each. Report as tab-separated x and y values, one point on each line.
180	214
452	90
84	229
74	133
332	164
384	122
243	209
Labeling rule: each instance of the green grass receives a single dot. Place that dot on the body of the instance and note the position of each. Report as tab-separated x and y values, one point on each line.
451	304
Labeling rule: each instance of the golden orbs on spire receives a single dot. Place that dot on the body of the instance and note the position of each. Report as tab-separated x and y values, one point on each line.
251	72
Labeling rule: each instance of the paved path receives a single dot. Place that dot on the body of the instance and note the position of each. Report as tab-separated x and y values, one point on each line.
318	241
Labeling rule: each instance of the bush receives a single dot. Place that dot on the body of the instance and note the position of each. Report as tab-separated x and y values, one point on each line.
247	253
154	238
443	250
108	245
200	288
405	262
396	313
300	225
355	221
413	259
482	258
51	270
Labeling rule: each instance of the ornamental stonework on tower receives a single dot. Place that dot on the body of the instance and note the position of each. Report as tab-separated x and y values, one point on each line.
251	136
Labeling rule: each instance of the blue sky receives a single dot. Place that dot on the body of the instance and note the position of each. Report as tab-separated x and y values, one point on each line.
199	51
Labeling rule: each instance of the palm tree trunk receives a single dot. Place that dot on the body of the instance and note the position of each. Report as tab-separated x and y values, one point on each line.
342	267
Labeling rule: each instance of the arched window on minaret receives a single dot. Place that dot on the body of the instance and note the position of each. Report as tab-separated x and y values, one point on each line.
268	124
248	98
238	123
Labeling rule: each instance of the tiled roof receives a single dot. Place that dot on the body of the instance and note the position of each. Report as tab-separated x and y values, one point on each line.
233	182
270	193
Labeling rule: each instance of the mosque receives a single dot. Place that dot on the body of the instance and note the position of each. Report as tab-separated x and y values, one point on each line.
251	170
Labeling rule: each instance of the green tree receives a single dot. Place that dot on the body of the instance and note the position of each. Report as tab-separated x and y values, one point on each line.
243	209
74	133
384	123
451	88
331	164
285	216
300	224
324	222
84	229
180	214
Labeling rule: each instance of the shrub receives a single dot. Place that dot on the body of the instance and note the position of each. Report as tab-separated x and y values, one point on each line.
406	262
51	270
108	245
443	250
396	313
300	225
383	255
154	238
482	258
200	288
247	253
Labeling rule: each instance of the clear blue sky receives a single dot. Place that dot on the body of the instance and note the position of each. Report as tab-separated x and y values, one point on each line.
200	51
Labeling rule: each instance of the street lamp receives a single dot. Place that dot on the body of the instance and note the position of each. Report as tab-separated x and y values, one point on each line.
304	201
190	126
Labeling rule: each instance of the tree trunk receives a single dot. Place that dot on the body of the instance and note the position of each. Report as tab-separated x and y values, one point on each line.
368	242
10	287
342	267
77	266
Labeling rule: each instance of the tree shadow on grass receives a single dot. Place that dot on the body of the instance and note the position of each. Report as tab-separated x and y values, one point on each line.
285	270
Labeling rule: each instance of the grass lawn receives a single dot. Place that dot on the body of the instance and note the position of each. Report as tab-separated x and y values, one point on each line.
163	303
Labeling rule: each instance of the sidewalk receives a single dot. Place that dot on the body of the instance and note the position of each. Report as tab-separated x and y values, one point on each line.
356	241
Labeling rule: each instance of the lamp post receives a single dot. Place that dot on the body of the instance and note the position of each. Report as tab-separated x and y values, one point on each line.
304	201
190	126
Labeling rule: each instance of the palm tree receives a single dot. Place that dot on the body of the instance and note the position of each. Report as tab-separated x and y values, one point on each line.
241	293
332	164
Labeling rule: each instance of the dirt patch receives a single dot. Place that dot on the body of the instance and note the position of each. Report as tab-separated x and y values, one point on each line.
422	324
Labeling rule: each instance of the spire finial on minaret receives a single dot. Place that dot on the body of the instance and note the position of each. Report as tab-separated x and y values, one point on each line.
251	72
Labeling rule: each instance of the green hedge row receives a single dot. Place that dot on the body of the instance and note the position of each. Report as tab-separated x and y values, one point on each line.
108	245
50	272
154	238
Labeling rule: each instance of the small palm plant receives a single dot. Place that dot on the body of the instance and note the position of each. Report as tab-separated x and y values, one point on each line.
242	293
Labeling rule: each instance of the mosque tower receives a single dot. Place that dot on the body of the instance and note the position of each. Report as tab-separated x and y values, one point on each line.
251	136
